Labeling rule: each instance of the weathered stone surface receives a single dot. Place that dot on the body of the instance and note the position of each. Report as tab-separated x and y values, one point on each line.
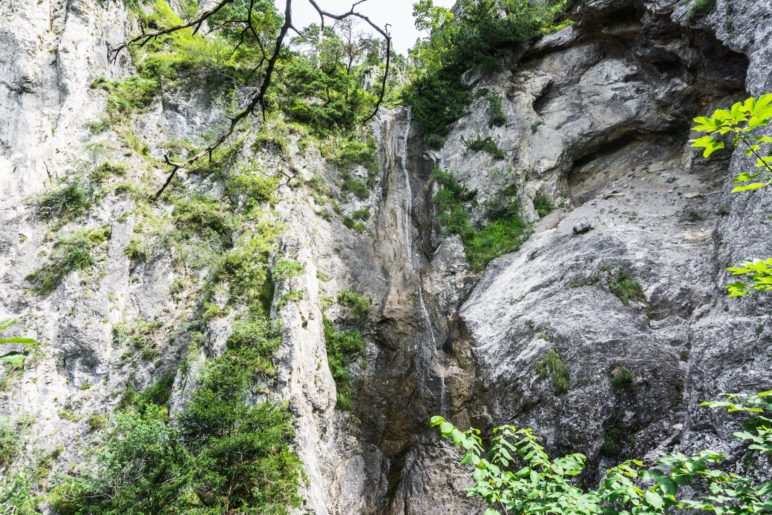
609	143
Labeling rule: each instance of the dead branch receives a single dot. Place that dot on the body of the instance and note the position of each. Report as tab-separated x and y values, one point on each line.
269	61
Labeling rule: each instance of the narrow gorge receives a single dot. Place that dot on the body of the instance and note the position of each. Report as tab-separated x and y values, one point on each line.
602	323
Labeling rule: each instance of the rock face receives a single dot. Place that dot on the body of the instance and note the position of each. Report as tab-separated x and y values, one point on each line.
607	102
627	272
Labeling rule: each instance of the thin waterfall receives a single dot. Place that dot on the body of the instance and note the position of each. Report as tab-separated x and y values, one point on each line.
408	209
433	358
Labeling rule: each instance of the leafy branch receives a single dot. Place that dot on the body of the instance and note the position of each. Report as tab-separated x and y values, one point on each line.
515	475
742	122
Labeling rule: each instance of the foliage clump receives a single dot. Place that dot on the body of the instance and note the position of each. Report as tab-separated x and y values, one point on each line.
250	183
505	232
140	335
542	205
348	150
622	378
758	273
476	39
127	96
72	252
700	9
358	187
66	203
286	269
353	224
203	215
497	117
625	288
357	219
486	145
16	494
358	303
107	170
552	367
515	475
245	267
343	348
226	453
137	250
96	422
10	442
744	124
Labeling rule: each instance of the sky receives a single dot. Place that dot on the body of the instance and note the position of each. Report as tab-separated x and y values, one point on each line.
397	13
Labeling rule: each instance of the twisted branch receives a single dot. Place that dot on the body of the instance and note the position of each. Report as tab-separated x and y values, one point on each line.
269	61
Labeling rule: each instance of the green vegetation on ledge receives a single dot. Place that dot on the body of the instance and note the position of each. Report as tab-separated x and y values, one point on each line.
486	145
700	9
552	367
75	251
476	40
69	201
359	304
542	205
504	233
625	288
622	378
496	115
343	348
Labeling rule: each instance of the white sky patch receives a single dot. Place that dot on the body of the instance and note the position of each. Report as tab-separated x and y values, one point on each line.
397	13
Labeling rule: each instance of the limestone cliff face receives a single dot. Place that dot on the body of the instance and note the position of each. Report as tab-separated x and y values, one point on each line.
597	121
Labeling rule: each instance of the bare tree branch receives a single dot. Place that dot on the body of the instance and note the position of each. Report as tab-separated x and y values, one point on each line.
382	31
256	100
269	61
145	37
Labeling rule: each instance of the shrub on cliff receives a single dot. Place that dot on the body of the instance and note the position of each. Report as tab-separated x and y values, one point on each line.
226	454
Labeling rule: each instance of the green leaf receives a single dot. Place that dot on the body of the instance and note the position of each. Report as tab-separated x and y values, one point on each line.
14	358
704	124
709	143
745	176
17	340
654	499
756	122
652	475
470	458
750	187
763	103
7	324
668	485
455	435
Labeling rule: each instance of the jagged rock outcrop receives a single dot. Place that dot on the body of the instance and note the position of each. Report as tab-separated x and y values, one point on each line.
597	121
